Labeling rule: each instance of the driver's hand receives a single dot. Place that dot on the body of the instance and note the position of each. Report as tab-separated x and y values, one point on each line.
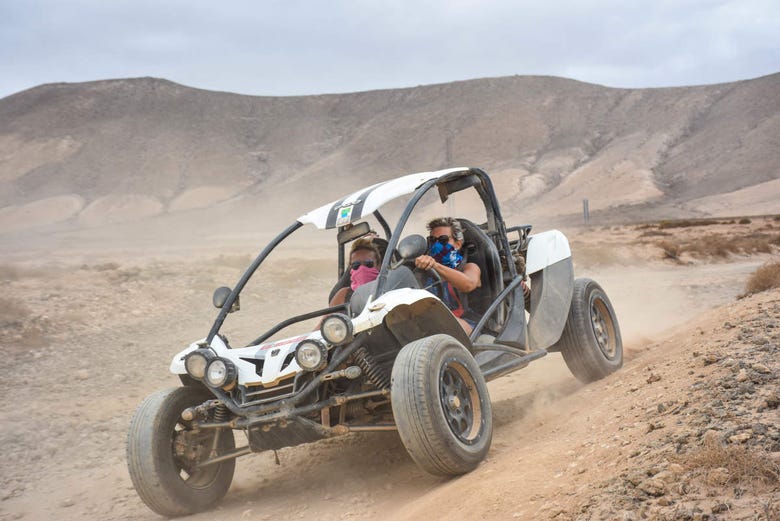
425	262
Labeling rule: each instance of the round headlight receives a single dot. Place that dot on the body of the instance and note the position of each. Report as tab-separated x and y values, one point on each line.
195	363
220	372
311	355
337	329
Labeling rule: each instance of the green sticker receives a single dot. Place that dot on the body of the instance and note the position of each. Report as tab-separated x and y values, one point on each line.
345	214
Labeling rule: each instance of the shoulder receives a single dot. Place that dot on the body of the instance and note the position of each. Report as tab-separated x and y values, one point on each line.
471	267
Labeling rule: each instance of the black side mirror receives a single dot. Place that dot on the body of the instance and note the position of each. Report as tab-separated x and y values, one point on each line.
412	247
220	297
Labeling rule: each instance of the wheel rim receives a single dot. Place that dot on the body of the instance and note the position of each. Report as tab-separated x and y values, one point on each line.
603	327
190	447
460	401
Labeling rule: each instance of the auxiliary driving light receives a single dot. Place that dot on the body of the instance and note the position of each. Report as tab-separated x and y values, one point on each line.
337	329
220	372
195	362
311	355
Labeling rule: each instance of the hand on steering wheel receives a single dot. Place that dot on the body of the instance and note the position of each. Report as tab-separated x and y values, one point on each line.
427	264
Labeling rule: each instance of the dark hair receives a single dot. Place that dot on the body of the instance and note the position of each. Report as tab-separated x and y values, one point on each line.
453	224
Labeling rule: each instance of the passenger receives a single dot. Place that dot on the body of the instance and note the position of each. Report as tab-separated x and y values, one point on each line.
364	262
444	257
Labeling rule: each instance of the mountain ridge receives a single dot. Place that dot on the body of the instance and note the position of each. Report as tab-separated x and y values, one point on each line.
549	142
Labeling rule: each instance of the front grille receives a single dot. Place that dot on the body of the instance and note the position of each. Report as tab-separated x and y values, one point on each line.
258	395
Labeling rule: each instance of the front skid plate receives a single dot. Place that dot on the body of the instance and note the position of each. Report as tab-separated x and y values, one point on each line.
285	433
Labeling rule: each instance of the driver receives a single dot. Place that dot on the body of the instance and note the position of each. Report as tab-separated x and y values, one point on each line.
444	257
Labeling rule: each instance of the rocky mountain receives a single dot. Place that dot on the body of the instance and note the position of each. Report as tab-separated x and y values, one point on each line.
118	150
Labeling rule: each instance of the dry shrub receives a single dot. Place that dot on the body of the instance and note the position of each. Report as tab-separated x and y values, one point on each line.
671	249
764	278
721	246
744	465
19	329
745	220
654	233
686	223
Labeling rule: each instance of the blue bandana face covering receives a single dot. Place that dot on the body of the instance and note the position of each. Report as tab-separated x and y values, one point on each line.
446	254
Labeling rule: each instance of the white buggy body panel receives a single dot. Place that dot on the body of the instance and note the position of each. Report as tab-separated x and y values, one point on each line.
274	353
367	200
545	249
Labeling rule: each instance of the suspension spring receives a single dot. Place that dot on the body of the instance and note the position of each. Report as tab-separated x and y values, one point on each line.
375	374
221	413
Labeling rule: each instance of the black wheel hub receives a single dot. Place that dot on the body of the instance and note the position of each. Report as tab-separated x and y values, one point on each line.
460	402
602	327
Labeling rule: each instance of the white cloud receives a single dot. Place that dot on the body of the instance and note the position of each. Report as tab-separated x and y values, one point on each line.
295	47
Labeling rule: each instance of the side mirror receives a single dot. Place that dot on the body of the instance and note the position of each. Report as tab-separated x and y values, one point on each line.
220	297
412	247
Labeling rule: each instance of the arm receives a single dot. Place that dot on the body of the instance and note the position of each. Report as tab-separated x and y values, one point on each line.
466	281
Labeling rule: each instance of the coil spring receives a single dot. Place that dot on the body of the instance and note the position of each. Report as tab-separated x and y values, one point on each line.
375	374
356	409
221	413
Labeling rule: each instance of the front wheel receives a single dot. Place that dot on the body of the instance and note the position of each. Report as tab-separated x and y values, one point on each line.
163	451
441	405
591	344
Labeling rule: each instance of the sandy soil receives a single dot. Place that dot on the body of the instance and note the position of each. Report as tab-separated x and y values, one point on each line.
84	342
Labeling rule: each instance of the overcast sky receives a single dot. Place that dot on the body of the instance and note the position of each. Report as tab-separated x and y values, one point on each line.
291	47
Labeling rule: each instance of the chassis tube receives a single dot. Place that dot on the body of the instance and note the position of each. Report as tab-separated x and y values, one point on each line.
245	278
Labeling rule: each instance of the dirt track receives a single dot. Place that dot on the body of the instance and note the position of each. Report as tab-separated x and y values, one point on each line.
84	344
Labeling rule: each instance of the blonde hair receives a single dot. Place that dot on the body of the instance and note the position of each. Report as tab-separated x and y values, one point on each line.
367	245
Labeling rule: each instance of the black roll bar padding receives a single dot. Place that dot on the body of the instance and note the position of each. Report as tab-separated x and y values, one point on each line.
299	318
245	278
383	223
492	308
399	227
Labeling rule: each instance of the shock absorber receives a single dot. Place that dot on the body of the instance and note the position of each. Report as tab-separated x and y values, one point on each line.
375	374
221	413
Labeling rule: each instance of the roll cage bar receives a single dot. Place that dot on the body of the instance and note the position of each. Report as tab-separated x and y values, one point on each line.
447	184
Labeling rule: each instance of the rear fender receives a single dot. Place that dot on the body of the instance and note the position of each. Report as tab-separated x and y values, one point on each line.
550	267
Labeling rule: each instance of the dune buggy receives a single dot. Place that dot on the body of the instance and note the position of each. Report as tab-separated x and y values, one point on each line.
393	358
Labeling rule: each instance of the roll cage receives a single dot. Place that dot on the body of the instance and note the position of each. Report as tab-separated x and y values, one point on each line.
344	213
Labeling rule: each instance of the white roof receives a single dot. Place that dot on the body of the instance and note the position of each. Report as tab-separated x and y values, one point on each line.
364	202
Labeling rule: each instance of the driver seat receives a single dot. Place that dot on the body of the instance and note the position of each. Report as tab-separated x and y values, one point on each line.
482	251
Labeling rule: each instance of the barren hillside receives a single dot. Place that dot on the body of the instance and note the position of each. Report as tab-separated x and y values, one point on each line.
90	154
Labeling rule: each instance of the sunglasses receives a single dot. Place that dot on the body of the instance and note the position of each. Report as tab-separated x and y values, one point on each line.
442	239
367	263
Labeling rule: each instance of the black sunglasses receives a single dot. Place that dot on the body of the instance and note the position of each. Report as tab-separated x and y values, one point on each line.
367	263
443	239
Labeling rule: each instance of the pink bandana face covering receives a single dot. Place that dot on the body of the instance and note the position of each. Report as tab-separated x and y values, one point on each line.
362	275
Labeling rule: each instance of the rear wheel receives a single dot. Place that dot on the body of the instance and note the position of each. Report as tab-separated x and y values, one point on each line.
591	344
163	451
441	405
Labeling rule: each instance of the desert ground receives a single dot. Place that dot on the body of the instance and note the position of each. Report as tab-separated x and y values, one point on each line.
688	429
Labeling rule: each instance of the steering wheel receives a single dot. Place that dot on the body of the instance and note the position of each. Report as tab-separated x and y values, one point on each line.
438	281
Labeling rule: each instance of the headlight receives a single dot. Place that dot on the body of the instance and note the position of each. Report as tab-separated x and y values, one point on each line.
311	355
220	373
195	363
337	329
